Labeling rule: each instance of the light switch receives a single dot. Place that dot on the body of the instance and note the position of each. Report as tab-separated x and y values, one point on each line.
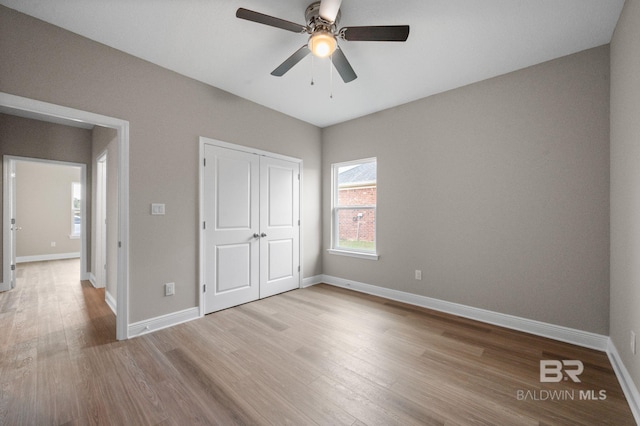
157	209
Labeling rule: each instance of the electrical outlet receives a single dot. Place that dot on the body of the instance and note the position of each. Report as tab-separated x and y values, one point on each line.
169	289
633	342
418	275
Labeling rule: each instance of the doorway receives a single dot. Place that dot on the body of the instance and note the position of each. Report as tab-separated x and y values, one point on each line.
30	108
46	201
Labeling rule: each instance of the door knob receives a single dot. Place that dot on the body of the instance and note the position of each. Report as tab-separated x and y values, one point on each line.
256	235
263	235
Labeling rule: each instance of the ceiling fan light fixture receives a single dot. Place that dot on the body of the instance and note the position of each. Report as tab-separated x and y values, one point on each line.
322	44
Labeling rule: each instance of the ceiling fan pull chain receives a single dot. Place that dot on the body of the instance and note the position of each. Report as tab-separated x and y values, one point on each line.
312	68
331	78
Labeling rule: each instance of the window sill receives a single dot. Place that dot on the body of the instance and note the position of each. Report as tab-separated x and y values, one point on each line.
359	255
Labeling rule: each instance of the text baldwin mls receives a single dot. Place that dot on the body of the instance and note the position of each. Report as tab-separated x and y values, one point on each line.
560	395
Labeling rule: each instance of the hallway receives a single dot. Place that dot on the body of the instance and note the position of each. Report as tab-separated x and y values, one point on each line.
48	324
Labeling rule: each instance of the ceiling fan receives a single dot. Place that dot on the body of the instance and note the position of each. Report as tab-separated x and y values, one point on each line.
322	19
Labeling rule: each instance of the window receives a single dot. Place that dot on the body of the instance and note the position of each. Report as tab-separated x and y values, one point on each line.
76	217
354	208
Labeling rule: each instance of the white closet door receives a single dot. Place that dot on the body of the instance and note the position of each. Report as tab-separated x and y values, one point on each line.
279	226
232	226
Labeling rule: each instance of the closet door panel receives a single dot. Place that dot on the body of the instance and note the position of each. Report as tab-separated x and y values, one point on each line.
279	226
231	213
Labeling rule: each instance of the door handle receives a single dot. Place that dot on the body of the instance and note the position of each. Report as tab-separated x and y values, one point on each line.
263	235
256	235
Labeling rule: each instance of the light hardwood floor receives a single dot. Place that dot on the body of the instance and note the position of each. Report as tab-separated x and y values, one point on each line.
320	355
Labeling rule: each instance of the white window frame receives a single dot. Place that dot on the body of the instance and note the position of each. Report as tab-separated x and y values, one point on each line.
75	235
335	209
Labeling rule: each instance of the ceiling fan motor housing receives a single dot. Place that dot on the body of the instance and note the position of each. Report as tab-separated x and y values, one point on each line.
315	21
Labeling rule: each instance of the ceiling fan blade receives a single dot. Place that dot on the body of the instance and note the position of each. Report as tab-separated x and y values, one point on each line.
343	66
329	9
291	61
261	18
376	33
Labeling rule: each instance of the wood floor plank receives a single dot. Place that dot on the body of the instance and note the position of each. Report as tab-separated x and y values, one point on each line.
320	355
293	389
226	405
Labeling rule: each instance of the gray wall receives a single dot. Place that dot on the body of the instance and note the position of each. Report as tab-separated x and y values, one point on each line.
25	137
625	185
497	191
167	113
43	208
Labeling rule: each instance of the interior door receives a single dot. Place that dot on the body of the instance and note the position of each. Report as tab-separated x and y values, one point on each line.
14	226
101	221
231	227
279	226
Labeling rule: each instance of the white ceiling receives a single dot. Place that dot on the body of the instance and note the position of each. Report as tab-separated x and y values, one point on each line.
452	43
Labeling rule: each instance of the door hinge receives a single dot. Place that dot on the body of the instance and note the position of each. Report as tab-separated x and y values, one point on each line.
119	244
13	221
204	288
298	222
204	225
298	268
13	267
298	176
205	162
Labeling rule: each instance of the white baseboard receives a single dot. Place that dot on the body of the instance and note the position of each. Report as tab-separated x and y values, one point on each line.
153	324
626	382
538	328
45	257
564	334
309	281
92	280
111	301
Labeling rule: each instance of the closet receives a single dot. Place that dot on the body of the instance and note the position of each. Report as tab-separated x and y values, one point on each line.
250	238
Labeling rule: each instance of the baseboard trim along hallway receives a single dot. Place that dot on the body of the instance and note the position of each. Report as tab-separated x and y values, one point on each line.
158	323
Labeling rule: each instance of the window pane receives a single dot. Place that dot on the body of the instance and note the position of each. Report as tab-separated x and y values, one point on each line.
76	218
354	206
76	223
356	229
357	185
77	195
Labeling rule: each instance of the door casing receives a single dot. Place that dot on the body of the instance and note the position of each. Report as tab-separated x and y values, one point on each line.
18	105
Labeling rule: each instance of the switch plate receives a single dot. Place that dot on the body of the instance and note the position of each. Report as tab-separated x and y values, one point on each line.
418	275
157	209
169	289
